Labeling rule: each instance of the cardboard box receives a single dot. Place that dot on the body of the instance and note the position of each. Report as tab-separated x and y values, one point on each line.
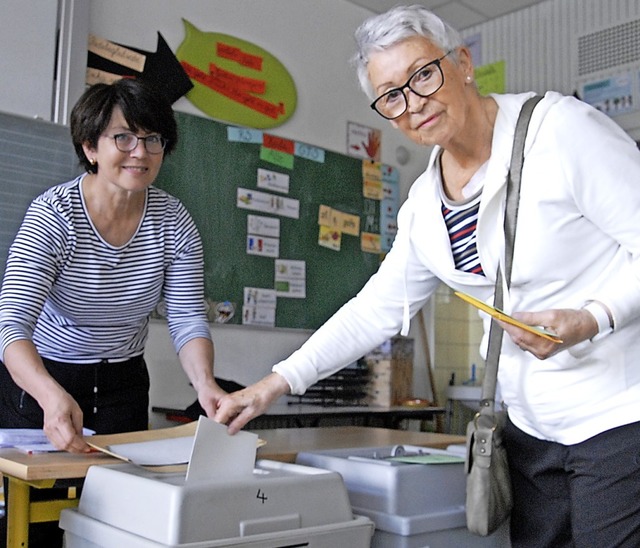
390	372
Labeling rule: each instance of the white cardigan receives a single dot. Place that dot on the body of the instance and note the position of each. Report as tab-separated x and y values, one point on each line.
578	239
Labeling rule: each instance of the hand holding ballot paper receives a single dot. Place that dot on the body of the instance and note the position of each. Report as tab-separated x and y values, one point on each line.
504	317
202	448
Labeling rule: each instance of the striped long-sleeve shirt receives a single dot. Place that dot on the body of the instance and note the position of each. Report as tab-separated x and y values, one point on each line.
80	299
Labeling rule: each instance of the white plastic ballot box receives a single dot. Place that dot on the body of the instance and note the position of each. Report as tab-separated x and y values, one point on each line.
414	495
280	505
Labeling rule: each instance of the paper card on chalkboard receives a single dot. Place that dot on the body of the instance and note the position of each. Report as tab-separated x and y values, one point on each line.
263	226
263	246
371	171
267	203
290	279
370	243
338	220
259	296
272	180
244	135
309	152
329	238
372	189
259	315
276	157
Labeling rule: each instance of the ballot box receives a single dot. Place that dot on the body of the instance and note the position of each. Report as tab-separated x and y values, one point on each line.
282	504
414	495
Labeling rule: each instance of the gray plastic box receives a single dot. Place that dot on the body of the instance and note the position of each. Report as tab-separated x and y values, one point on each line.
282	504
401	498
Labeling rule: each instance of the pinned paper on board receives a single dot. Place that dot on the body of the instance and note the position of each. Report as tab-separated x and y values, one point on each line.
290	279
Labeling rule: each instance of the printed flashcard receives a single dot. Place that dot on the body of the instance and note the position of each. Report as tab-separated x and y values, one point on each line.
349	224
267	203
290	279
263	226
372	189
389	206
260	296
244	135
276	157
338	220
325	216
371	171
256	315
330	238
370	243
259	307
278	143
309	152
272	180
263	246
363	142
371	216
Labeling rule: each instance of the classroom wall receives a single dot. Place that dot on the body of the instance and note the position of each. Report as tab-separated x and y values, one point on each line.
314	40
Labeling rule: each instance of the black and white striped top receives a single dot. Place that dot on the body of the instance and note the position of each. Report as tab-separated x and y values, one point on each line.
81	299
462	221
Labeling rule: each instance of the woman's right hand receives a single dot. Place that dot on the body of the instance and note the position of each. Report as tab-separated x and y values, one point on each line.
238	408
62	414
63	423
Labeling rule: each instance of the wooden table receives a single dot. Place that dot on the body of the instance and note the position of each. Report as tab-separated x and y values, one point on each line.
48	470
42	471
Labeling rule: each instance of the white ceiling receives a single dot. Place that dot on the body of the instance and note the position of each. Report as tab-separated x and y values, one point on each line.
458	13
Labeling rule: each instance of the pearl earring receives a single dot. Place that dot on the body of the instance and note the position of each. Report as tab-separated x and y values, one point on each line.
92	161
468	78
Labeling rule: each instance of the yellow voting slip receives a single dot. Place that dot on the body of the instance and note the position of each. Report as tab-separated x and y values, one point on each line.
504	317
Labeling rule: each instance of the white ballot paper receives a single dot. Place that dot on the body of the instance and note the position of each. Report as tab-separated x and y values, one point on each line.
218	455
162	452
206	447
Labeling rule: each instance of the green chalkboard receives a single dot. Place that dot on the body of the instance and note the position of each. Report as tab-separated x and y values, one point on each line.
206	170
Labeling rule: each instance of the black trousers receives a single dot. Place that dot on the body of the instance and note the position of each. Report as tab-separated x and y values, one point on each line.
580	496
114	397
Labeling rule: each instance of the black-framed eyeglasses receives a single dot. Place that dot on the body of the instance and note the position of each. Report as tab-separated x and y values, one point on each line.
423	82
126	142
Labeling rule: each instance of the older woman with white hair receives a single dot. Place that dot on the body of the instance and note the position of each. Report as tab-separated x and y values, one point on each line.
573	434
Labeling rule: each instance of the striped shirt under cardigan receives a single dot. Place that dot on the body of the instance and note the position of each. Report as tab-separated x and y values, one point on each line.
81	299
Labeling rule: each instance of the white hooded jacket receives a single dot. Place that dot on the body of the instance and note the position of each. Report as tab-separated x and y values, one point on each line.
577	240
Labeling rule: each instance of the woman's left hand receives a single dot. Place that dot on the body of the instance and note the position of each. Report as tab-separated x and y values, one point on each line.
570	325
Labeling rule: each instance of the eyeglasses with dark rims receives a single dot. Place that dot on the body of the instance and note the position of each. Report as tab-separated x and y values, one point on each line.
126	142
423	82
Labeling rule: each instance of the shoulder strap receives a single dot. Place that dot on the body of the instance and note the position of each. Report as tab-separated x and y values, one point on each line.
510	221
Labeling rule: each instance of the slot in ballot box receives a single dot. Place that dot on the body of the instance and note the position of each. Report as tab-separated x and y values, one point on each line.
412	504
282	504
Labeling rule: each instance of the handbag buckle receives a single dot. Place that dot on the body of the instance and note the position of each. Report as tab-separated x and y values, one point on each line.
493	417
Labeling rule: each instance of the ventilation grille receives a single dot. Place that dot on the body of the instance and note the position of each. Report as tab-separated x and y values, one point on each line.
608	48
